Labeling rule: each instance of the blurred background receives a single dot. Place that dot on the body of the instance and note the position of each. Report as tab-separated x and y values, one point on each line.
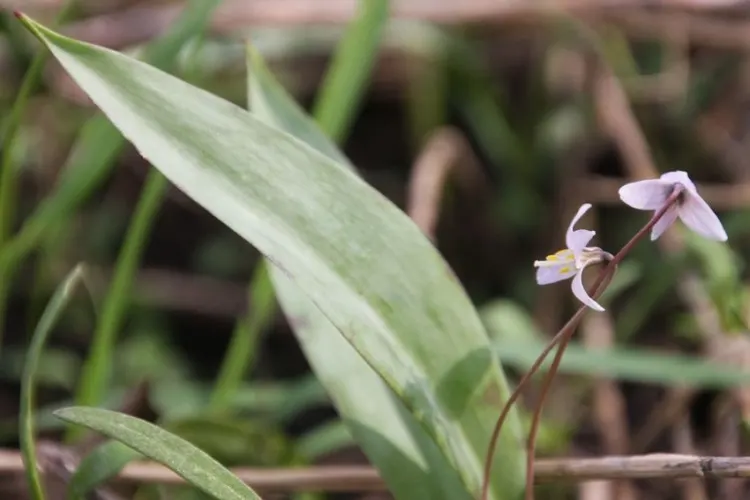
489	122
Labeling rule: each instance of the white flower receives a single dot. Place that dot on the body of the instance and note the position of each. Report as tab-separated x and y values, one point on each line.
690	207
573	260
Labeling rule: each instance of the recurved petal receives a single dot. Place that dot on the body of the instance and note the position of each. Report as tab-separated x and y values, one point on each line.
554	273
646	195
663	224
580	292
698	216
576	240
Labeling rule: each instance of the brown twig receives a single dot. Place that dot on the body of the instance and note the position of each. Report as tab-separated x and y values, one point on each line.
682	441
446	152
726	438
366	478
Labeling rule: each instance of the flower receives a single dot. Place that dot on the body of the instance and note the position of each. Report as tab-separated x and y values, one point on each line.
571	261
690	207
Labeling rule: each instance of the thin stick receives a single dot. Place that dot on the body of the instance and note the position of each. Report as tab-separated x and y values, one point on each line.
365	478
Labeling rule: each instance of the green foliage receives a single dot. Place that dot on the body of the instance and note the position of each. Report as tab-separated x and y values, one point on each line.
361	258
187	461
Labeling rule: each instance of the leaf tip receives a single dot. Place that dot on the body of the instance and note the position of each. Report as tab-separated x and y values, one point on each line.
27	22
64	413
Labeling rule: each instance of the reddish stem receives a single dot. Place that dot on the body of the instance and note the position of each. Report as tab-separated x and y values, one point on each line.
562	337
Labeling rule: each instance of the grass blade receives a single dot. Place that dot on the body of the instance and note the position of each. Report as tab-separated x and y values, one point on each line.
28	382
187	461
345	80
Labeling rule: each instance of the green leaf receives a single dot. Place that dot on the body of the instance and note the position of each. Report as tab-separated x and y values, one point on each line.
102	464
361	260
187	461
408	459
344	83
28	382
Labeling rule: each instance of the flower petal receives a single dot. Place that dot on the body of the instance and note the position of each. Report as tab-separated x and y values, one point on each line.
580	292
663	224
576	240
698	216
646	195
552	274
679	177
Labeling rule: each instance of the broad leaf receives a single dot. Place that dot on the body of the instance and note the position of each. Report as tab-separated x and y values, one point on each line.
407	458
187	461
354	254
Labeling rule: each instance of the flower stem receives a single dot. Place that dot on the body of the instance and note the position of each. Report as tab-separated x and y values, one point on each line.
562	338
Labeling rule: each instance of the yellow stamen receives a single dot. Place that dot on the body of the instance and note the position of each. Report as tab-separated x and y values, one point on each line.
560	255
564	270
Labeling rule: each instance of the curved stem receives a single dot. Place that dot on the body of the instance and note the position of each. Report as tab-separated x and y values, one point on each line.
566	333
562	337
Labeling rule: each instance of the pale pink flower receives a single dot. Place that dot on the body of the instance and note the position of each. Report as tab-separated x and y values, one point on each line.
572	261
690	207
